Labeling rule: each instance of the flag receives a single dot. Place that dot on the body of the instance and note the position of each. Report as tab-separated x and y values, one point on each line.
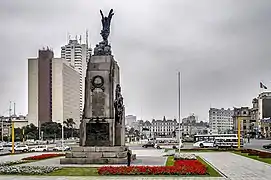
262	86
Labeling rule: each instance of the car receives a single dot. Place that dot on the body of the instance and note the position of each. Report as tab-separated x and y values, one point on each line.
149	144
7	147
22	148
267	146
61	148
40	148
203	144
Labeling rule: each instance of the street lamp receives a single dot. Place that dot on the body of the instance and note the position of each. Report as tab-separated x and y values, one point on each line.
179	109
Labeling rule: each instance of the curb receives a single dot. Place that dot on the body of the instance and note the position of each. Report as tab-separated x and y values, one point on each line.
220	172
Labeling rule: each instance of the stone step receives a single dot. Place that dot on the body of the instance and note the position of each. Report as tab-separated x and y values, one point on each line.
99	149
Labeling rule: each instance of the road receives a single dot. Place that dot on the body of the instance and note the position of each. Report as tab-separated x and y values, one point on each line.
258	144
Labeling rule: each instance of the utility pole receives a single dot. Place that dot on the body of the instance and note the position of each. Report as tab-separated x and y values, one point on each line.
2	127
14	105
9	110
179	109
62	139
12	134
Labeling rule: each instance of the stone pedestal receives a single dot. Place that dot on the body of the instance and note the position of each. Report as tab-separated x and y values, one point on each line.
96	155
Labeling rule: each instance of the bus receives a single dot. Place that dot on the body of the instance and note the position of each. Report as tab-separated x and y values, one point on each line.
211	137
226	142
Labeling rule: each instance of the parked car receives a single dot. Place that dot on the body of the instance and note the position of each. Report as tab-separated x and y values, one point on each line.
1	148
203	144
267	146
40	148
61	148
22	148
7	147
149	144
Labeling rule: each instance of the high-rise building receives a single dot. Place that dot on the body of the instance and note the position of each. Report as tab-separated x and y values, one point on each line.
220	120
53	90
77	55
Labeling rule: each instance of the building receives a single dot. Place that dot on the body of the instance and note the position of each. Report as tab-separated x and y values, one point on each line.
220	120
53	90
19	122
77	55
65	92
243	114
264	114
129	120
190	126
159	128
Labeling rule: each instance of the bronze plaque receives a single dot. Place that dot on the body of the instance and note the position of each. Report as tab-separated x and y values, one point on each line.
97	134
98	102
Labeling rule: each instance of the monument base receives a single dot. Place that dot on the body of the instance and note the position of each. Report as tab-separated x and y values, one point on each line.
97	155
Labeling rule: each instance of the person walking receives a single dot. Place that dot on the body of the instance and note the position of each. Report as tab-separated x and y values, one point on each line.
129	154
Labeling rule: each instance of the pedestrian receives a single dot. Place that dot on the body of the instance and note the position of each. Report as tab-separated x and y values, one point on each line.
248	139
129	154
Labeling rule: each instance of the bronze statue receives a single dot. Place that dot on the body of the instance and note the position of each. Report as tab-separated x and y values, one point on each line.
106	21
118	104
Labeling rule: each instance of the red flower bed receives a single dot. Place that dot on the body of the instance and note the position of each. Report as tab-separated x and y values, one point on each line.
181	167
42	156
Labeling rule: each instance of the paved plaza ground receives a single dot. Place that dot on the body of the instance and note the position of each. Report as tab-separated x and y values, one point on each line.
231	166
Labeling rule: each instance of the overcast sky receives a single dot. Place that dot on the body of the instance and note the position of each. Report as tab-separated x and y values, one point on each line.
222	49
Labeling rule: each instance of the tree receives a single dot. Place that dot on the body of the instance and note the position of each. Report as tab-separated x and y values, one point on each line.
131	131
51	130
70	124
31	131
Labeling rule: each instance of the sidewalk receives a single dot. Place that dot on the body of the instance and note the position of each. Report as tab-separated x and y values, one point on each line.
236	167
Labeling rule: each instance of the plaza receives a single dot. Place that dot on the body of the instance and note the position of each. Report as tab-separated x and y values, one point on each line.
229	165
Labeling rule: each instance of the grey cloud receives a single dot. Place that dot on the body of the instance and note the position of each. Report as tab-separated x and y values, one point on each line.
221	47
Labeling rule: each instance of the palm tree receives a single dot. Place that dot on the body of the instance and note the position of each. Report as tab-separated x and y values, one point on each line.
70	124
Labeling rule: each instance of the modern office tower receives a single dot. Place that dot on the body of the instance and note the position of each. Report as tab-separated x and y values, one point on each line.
53	90
77	54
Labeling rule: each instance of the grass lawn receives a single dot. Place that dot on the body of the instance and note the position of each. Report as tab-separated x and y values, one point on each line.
76	171
266	160
170	161
211	171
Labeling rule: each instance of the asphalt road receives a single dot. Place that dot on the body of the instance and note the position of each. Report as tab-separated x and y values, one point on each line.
258	144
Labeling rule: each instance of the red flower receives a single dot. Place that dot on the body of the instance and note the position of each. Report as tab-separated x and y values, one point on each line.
42	156
181	167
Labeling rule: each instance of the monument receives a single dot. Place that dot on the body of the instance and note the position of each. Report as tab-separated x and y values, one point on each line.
102	128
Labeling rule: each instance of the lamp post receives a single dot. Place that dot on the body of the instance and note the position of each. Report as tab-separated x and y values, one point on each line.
12	136
62	139
179	109
239	132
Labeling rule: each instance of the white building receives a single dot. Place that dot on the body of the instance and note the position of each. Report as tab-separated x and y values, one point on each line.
220	120
65	92
159	128
53	90
77	55
129	120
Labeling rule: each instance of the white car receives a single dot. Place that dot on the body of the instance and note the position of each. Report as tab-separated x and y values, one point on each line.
22	148
41	148
7	147
203	144
61	148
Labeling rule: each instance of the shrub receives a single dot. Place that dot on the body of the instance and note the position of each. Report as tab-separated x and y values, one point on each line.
27	170
185	157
